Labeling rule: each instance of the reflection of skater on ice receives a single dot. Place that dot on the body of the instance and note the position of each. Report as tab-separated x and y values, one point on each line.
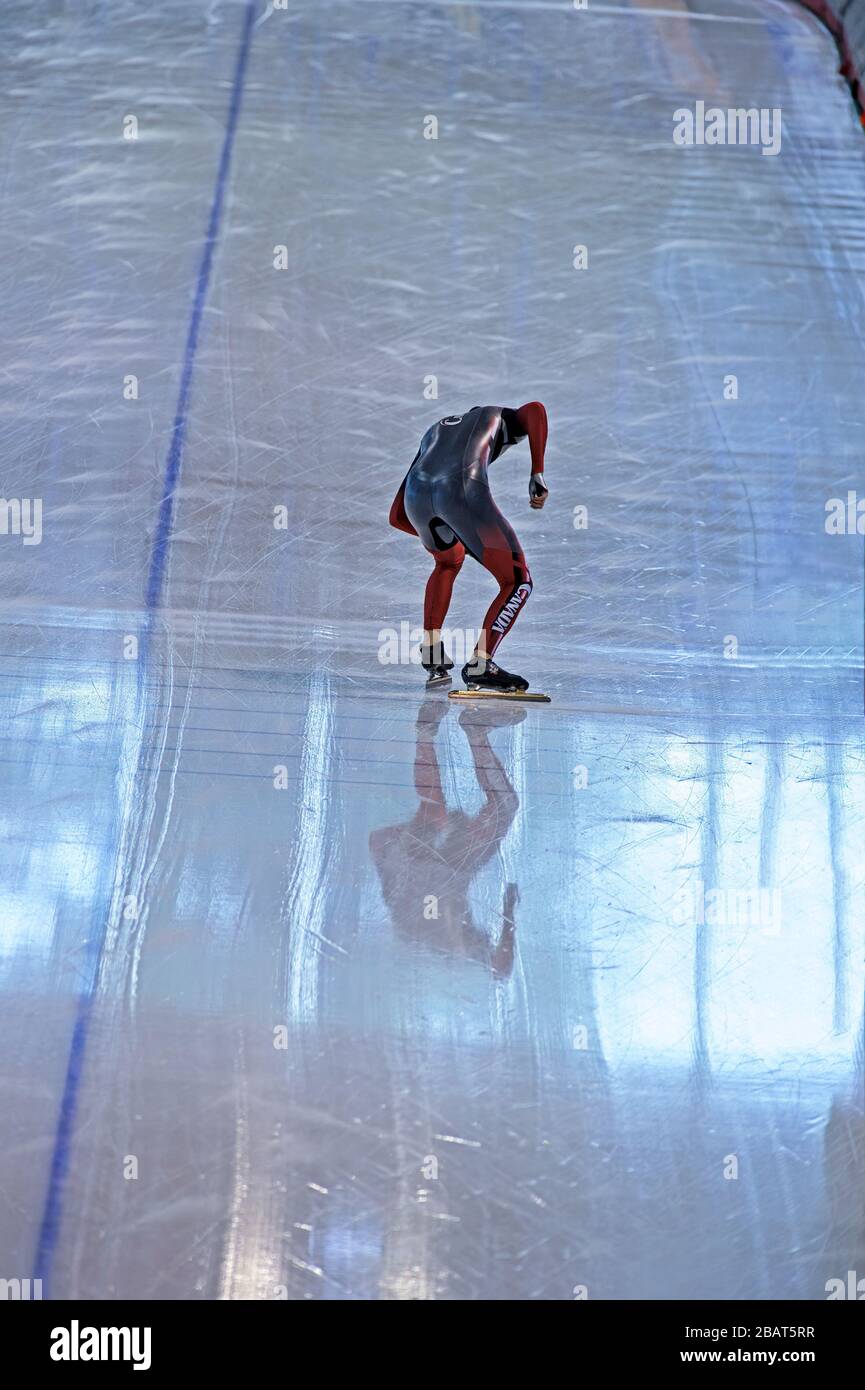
426	865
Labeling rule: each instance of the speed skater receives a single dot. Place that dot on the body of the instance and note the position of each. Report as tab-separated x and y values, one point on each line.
445	499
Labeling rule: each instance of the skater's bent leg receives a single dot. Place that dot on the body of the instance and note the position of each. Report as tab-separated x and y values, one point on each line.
439	589
437	598
490	538
515	586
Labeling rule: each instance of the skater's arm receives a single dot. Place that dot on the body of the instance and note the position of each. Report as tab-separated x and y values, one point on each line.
531	421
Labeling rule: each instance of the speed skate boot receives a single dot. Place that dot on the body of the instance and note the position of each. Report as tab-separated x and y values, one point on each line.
436	662
483	674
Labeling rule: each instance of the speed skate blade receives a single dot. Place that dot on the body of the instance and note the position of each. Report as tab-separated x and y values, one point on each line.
532	695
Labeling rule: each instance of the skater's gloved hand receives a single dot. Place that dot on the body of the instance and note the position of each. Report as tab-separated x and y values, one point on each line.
538	491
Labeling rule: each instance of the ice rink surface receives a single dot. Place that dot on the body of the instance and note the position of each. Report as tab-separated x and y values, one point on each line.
313	985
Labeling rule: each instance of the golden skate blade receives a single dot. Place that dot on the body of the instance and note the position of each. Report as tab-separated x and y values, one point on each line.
531	695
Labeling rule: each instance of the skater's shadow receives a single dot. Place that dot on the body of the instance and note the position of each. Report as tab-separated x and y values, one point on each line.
426	865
